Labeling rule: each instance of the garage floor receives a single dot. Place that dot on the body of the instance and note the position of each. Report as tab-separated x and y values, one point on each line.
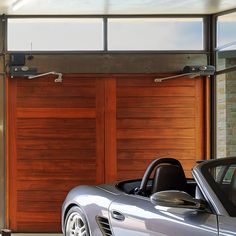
28	234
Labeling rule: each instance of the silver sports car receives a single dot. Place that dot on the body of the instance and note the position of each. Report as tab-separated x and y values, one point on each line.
164	202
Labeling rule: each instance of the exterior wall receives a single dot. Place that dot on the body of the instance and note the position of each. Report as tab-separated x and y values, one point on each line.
231	114
115	62
226	112
221	116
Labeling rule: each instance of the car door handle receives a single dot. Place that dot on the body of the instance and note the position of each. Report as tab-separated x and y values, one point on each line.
117	216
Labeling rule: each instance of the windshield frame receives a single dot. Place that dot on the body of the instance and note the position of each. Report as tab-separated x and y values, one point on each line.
205	170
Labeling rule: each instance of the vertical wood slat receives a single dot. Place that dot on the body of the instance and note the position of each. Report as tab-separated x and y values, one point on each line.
109	158
50	118
134	139
100	135
207	116
199	125
11	152
7	214
110	130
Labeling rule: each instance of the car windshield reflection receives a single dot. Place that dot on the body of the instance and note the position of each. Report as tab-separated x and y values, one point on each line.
223	182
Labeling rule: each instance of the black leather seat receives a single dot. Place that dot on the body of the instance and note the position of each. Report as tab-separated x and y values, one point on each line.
169	177
233	189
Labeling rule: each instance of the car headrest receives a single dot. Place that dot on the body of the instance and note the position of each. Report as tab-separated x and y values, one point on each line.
169	177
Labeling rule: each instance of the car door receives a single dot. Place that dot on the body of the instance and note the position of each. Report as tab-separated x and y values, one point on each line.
138	216
227	225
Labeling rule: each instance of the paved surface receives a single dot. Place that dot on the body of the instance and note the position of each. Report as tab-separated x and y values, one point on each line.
31	234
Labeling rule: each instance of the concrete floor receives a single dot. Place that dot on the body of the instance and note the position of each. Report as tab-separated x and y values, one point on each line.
33	234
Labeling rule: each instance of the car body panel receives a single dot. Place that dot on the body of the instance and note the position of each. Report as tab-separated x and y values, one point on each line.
136	215
93	201
143	218
227	226
207	191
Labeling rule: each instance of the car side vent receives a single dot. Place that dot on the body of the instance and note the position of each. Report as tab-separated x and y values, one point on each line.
104	225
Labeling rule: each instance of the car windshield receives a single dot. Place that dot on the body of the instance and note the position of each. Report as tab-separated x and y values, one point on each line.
222	178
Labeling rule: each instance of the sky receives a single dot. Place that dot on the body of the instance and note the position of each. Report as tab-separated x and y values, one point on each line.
123	34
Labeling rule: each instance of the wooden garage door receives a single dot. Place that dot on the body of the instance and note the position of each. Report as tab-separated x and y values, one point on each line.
56	142
89	130
166	119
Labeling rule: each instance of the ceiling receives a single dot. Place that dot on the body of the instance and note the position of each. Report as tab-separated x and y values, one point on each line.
113	7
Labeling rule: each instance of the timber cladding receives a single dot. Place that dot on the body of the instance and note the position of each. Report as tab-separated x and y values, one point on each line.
92	129
158	120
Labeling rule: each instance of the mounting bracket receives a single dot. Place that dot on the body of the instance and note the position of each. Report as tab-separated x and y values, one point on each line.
57	80
191	71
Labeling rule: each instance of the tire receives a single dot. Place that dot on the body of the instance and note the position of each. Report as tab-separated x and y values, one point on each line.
75	223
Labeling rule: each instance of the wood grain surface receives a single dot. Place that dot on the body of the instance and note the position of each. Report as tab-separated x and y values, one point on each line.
92	129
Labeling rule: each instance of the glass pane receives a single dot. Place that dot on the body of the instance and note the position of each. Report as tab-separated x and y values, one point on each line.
155	34
226	114
229	174
55	34
226	29
224	179
226	41
226	57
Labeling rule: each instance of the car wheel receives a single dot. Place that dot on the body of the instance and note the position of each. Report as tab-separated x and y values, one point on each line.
75	223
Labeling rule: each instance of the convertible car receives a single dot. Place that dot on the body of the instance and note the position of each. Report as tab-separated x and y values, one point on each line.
162	203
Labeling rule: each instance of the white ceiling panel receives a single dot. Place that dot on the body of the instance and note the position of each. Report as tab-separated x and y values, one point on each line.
113	7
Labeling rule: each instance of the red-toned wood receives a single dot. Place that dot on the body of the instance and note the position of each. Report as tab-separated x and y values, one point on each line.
7	162
55	123
110	130
67	102
155	91
11	152
155	123
140	80
52	147
155	133
155	112
56	91
207	110
92	129
100	134
148	102
199	122
156	120
56	113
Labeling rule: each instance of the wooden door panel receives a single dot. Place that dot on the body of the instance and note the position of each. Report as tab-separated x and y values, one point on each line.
155	102
90	130
155	123
57	144
156	120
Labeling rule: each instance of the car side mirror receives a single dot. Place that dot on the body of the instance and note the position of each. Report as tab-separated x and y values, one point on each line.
173	198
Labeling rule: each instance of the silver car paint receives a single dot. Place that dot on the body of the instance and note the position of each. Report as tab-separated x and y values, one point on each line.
207	191
93	201
143	218
227	226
